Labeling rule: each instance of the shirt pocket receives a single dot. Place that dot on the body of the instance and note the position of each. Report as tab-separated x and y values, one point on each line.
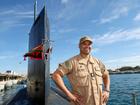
99	75
82	77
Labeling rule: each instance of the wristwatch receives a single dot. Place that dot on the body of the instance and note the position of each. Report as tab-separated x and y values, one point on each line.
107	90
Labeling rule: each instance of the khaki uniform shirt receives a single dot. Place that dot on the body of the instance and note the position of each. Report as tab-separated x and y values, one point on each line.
85	77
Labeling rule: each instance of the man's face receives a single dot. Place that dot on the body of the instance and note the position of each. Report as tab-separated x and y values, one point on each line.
85	47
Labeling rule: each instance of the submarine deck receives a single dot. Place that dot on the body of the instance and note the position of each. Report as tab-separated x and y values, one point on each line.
21	98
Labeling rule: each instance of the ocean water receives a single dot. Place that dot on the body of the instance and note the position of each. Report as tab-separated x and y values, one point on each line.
7	94
122	87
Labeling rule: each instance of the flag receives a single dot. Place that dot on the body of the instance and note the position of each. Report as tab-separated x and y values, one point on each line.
36	53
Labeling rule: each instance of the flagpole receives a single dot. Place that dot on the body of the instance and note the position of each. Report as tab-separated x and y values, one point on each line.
35	9
45	3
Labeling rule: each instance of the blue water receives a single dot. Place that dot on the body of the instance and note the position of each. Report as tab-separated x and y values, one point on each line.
9	93
122	85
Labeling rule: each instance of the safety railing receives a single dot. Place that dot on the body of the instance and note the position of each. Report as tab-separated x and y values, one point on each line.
134	96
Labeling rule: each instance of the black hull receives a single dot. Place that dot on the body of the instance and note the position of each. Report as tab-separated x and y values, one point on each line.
39	91
39	70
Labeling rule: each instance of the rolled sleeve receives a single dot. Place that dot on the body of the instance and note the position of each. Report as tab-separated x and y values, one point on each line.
103	68
65	67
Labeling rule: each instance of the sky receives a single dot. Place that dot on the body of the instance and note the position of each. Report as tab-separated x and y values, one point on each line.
114	26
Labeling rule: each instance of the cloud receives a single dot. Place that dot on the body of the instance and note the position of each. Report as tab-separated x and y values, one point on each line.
14	17
7	12
16	14
133	58
124	61
137	18
114	11
66	30
118	36
74	9
7	24
64	1
115	15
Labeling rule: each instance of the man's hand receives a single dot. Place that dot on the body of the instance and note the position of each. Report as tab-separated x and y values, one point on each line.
77	99
105	96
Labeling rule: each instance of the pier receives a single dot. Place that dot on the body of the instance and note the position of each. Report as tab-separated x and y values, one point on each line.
7	80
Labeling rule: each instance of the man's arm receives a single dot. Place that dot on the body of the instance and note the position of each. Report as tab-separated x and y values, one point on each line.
57	77
106	80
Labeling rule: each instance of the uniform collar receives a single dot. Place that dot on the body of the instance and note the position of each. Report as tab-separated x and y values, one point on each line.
84	60
91	59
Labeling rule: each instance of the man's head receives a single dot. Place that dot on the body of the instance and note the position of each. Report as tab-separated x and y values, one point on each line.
85	45
85	38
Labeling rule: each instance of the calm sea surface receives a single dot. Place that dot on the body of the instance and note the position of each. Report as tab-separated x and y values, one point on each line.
122	87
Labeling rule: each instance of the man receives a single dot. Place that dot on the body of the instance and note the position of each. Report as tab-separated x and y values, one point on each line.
85	74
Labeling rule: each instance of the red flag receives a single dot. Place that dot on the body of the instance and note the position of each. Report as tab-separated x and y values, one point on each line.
36	53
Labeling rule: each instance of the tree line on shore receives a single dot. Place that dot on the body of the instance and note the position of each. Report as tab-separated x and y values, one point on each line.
125	69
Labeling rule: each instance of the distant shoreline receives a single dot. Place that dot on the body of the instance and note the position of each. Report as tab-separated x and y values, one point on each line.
124	72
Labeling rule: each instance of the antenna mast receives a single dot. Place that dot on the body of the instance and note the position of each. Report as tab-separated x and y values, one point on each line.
35	9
